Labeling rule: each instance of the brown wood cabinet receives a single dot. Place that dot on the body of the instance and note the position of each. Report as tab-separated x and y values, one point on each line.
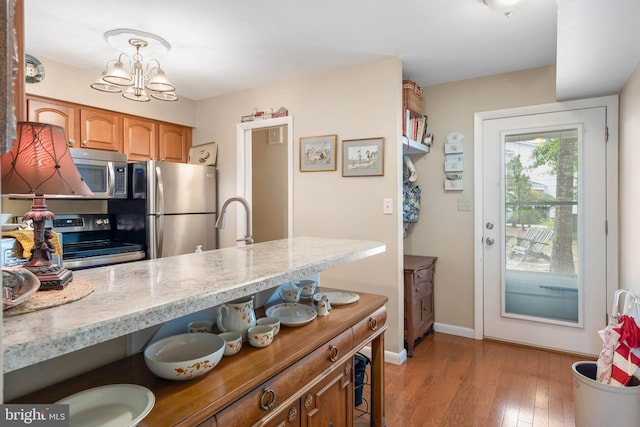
419	301
304	378
93	128
174	143
140	139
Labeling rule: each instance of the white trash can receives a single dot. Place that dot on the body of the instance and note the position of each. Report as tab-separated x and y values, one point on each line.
596	404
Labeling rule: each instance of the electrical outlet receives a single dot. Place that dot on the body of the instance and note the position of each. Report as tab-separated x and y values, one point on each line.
387	206
464	204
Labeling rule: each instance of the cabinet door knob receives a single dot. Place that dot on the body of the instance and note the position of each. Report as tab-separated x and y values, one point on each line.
293	414
268	398
71	142
85	143
308	401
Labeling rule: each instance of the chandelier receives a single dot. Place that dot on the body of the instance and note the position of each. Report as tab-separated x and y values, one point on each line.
136	82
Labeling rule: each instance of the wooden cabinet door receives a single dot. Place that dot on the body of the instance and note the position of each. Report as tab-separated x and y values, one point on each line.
55	113
330	403
101	130
140	139
174	143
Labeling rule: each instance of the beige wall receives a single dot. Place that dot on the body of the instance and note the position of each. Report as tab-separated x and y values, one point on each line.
358	102
629	190
72	84
442	230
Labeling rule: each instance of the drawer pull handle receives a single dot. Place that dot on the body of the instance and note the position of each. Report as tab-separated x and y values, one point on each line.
373	323
293	414
265	404
333	353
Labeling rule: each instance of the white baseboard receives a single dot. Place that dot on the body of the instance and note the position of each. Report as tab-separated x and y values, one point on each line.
454	330
400	358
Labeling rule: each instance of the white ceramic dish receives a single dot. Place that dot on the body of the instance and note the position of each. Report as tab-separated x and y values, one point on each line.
10	226
184	356
338	297
116	405
292	314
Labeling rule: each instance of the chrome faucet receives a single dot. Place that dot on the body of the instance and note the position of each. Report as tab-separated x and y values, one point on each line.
248	238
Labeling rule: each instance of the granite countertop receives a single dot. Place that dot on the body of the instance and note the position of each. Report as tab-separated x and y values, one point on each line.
134	296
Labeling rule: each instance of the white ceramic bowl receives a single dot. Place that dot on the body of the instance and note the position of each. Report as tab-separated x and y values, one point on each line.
232	342
184	356
260	335
200	326
274	322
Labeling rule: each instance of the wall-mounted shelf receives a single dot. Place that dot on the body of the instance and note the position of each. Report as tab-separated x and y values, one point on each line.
411	147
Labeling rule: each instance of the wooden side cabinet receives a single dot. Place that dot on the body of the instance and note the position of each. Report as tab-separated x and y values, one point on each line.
419	316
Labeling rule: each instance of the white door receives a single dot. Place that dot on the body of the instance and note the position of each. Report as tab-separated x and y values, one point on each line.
544	228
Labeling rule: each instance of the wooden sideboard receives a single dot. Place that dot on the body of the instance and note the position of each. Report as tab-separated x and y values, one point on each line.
419	316
304	378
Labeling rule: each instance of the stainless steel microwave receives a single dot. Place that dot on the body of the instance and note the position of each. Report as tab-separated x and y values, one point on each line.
105	172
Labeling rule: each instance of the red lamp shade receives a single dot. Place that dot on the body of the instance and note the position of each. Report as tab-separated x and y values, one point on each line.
39	165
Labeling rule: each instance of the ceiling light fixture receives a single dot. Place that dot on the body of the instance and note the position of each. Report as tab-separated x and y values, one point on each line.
135	82
505	7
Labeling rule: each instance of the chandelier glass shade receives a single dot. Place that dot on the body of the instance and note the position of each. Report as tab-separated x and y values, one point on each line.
505	7
137	83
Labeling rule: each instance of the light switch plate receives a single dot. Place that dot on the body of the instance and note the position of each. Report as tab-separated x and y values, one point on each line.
387	206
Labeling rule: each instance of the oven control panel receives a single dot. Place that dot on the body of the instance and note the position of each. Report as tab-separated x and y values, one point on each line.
77	223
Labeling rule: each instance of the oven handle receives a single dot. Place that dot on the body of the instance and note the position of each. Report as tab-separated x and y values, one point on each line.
160	214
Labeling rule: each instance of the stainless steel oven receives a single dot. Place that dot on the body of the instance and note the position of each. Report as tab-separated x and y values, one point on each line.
88	241
105	172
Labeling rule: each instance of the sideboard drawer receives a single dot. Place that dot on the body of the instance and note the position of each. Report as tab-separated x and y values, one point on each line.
270	395
367	327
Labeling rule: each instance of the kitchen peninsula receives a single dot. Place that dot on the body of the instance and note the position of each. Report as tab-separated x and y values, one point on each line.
291	375
134	296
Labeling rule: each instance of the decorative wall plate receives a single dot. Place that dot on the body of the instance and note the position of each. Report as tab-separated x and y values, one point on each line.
204	154
34	70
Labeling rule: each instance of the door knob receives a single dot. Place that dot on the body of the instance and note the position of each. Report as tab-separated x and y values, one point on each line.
489	241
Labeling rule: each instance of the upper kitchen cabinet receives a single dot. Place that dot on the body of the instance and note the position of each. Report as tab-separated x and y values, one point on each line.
175	142
94	128
100	130
56	113
140	139
85	127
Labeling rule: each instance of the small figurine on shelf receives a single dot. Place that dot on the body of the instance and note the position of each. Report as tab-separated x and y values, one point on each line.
323	306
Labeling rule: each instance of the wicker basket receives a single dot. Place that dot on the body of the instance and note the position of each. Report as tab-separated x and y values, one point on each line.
412	96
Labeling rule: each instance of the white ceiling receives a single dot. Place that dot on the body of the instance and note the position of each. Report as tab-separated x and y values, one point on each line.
221	46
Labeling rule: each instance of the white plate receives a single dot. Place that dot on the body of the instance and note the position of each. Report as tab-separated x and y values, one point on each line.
10	226
116	405
292	314
338	297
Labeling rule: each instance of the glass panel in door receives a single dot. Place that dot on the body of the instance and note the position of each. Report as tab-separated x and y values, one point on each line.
540	225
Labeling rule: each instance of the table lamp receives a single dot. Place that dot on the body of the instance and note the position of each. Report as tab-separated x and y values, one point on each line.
39	166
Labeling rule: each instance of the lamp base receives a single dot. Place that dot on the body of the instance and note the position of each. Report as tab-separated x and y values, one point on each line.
52	277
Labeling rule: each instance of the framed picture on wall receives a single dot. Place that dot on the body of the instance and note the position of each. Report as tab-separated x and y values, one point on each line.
363	157
318	153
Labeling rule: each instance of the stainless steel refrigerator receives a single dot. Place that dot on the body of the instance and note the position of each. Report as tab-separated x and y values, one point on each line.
179	202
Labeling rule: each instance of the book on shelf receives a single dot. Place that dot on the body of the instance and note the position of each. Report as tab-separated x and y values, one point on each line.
414	126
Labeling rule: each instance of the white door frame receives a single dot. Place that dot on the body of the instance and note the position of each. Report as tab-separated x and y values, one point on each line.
244	166
611	102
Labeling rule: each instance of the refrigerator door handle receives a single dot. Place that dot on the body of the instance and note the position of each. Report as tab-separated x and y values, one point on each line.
160	213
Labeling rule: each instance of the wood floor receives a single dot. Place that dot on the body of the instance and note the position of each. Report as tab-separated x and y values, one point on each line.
455	381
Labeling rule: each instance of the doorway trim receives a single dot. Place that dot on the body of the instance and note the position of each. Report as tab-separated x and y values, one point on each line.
611	104
244	165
